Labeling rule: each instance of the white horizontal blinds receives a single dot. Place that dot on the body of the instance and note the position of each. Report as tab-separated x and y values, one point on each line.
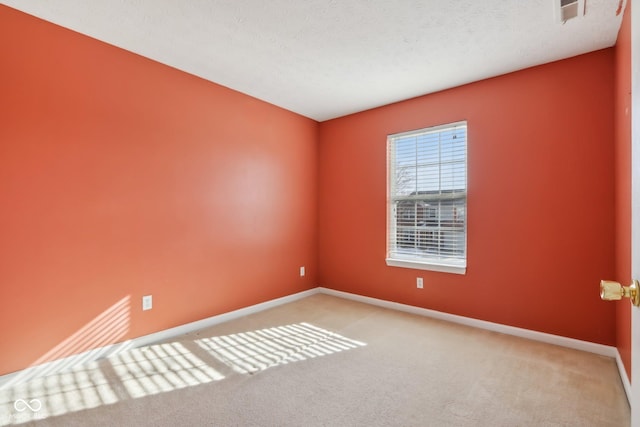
428	194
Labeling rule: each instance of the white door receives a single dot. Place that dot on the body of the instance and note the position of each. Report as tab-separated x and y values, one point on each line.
635	210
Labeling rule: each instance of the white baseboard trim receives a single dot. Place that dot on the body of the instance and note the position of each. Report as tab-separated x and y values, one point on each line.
61	365
600	349
623	377
221	318
604	350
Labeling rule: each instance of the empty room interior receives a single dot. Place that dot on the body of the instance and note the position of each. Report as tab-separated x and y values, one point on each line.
323	213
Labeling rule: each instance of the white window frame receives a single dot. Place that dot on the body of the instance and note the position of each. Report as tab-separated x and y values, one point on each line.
422	261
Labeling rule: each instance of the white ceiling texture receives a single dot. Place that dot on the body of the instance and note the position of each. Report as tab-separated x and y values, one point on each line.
329	58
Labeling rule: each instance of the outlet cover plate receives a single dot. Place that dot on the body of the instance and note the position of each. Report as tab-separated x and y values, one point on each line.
147	302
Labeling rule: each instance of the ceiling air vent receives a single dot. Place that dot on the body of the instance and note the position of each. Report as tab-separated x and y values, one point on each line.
569	9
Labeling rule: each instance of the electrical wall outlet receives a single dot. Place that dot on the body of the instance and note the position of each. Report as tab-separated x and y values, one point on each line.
147	302
302	271
420	283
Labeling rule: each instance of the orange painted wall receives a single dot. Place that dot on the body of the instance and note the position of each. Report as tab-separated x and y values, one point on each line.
121	177
623	183
540	217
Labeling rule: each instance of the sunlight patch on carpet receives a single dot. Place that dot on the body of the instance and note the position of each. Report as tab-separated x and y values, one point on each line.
251	352
82	388
161	368
136	373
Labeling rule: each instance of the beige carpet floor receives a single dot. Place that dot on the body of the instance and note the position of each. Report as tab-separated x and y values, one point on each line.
326	361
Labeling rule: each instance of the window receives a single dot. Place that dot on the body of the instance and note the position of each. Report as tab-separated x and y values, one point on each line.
427	199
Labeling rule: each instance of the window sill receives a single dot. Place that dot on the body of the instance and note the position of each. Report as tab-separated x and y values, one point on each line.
431	266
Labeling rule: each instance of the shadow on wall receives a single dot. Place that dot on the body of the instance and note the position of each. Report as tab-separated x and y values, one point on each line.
162	368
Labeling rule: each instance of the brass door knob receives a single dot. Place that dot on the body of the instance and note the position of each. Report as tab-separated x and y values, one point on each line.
611	291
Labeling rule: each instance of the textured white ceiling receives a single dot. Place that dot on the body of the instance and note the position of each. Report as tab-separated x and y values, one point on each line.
328	58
